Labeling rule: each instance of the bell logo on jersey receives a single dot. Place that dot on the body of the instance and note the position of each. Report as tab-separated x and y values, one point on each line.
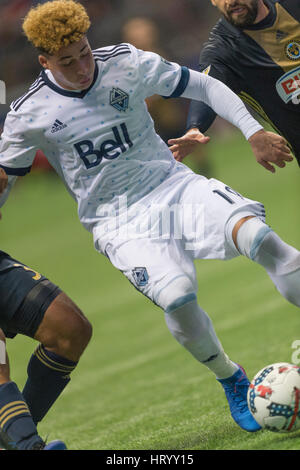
288	86
109	149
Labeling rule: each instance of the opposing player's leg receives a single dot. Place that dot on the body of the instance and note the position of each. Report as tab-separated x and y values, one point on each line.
17	429
31	305
63	334
258	242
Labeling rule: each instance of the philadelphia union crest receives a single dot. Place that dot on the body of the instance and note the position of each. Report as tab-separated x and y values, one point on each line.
119	99
292	50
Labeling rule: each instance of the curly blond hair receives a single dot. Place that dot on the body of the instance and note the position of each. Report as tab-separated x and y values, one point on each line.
55	24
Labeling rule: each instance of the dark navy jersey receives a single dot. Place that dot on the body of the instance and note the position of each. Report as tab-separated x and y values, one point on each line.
16	281
25	296
262	65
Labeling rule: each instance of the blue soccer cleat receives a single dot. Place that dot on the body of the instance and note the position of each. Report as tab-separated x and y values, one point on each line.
236	388
55	445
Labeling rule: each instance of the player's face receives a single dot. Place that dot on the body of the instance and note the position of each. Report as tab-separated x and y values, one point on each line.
240	13
72	66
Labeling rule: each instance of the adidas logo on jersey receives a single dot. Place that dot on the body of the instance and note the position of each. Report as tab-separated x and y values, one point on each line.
58	126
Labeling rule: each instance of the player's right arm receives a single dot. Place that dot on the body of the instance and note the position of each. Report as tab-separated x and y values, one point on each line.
3	183
17	151
3	180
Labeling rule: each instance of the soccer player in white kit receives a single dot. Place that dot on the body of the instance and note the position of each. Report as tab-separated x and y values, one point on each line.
150	215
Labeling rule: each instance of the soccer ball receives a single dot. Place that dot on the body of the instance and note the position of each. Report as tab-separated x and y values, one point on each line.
274	397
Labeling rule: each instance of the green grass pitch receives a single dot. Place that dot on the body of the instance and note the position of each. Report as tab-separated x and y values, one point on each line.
135	387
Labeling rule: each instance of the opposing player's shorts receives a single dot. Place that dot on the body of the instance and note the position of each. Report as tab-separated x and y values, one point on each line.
182	220
25	296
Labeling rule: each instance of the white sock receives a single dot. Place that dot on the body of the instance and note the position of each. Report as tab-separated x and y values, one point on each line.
282	262
193	329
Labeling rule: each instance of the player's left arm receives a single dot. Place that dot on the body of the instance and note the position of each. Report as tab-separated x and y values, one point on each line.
17	152
200	116
268	147
168	79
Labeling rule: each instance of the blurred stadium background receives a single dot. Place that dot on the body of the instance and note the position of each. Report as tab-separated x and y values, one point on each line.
135	388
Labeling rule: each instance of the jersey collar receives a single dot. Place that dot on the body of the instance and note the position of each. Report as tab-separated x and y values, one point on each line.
70	93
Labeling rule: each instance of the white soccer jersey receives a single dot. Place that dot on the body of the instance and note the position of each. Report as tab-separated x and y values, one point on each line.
101	141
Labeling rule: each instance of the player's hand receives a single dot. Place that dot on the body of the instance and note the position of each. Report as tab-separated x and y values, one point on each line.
186	144
269	148
3	180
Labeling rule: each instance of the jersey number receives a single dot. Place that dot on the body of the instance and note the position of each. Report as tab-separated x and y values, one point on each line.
225	196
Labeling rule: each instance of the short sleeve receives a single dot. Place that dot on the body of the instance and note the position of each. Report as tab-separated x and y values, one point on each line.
17	149
161	77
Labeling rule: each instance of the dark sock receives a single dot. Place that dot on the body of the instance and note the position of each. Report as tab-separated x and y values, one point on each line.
17	429
48	375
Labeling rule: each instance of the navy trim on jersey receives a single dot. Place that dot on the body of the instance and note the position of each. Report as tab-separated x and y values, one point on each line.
184	80
104	59
105	55
70	93
16	104
111	50
31	88
16	171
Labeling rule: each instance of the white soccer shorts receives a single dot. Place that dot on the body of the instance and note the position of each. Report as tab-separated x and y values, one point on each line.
183	219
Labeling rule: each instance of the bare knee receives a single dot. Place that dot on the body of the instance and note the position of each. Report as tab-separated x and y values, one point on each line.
64	329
